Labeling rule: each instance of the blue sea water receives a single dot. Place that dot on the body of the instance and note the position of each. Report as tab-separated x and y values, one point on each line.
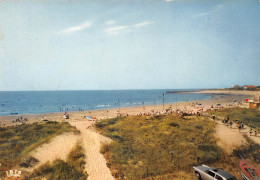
35	102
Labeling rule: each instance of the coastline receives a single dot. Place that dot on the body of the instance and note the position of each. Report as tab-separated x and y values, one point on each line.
223	97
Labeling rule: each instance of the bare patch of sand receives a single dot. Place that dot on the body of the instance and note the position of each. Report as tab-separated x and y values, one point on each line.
58	148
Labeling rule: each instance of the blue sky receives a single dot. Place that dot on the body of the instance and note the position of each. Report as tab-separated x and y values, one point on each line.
144	44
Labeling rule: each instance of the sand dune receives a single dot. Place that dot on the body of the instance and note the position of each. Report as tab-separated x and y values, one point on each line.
58	148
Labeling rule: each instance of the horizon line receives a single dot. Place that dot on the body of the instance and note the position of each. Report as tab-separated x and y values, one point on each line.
111	89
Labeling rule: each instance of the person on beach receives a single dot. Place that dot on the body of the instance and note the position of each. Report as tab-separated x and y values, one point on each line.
242	125
213	117
255	133
236	122
231	123
251	131
238	125
227	119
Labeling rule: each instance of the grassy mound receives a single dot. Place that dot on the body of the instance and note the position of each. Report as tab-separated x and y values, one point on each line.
17	141
164	146
72	168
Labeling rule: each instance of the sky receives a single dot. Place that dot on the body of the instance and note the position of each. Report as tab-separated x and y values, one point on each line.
128	44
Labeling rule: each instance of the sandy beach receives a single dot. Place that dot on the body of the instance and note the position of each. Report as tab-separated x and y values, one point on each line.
220	98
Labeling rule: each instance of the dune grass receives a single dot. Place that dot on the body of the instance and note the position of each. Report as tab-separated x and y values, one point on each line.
72	168
250	117
17	141
158	147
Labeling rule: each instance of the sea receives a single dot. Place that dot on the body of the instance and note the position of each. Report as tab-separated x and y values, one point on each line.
37	102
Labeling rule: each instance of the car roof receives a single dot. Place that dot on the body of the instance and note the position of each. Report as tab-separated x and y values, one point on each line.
225	174
203	168
215	169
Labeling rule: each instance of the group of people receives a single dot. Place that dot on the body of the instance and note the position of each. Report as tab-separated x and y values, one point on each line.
21	120
229	123
169	110
251	132
240	126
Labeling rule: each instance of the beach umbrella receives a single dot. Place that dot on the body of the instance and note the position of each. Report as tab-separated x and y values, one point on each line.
218	104
199	104
246	100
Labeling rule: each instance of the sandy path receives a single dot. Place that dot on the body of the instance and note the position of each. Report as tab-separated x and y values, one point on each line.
229	138
96	163
58	148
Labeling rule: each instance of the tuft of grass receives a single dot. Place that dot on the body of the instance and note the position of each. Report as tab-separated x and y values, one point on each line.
28	162
18	141
162	146
72	168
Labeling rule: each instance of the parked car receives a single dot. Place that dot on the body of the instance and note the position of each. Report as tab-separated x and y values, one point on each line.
206	173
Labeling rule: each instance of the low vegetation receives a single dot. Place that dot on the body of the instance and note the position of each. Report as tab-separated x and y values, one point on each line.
250	117
160	147
72	168
17	141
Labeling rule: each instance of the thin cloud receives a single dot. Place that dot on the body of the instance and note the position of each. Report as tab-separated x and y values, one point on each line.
80	27
213	10
115	30
118	29
169	0
110	22
145	23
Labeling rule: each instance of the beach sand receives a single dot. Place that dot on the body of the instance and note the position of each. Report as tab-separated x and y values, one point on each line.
223	97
